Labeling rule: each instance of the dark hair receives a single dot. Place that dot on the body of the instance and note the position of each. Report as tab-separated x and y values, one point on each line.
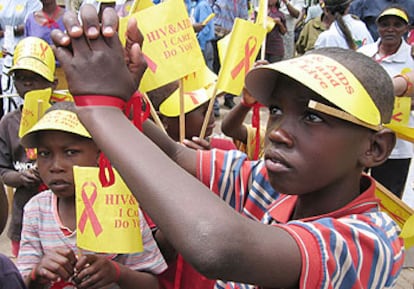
370	74
338	8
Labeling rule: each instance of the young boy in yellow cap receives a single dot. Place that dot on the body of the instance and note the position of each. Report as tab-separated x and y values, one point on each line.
33	69
325	230
49	255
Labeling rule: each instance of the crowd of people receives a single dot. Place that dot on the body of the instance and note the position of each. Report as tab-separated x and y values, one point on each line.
291	205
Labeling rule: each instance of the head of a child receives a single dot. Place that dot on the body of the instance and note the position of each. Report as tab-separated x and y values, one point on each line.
33	66
195	109
61	142
324	148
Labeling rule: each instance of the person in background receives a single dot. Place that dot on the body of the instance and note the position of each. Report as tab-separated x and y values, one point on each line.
311	31
346	31
292	10
314	10
369	10
274	39
33	69
41	23
13	14
393	53
317	145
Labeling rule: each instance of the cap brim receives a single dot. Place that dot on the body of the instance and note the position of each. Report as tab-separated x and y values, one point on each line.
35	66
323	75
56	120
394	12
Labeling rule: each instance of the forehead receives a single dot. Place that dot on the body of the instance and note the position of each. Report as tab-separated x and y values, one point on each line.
391	18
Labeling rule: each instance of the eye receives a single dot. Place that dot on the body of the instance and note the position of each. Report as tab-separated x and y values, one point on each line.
275	110
42	153
312	117
71	152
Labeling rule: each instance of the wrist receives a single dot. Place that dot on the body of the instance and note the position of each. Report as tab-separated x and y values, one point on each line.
117	271
99	100
409	85
246	104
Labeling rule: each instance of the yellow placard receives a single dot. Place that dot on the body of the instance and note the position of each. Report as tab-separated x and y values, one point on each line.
400	212
35	104
170	45
107	218
244	44
401	112
199	79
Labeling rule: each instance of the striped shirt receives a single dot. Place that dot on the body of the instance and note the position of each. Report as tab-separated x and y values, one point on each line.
356	246
43	231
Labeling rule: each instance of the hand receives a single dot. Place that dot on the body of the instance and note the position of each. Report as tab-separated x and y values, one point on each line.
92	56
55	266
29	178
197	143
95	271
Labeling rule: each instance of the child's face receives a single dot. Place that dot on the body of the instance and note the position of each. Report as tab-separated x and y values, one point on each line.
57	153
307	151
26	80
193	123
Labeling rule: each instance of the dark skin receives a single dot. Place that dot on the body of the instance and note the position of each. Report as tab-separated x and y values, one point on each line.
25	81
58	152
205	230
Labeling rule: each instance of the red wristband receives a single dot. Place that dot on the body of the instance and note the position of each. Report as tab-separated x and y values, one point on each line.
99	100
117	271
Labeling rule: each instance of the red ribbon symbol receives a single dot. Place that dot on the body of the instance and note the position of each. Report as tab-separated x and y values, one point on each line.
256	125
88	212
397	116
43	48
249	48
151	64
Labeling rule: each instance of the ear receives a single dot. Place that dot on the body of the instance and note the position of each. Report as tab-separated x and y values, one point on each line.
381	145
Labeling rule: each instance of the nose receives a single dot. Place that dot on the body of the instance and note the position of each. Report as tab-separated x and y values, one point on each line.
56	164
280	133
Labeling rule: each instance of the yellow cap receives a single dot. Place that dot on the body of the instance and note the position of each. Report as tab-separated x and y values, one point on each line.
36	55
171	106
322	74
60	120
394	12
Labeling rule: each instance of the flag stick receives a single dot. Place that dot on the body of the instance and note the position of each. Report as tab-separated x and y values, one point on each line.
134	6
208	113
182	114
154	113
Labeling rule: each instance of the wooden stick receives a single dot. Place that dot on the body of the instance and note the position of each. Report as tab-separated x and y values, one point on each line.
341	114
182	112
208	113
154	114
134	6
263	50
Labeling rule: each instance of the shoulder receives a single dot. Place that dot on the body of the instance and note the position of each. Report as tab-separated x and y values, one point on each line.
41	201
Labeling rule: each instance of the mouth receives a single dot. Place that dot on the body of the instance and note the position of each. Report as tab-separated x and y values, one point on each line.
58	185
276	163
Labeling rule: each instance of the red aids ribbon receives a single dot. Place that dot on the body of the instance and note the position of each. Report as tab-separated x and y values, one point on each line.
151	64
249	48
88	212
43	48
104	167
134	107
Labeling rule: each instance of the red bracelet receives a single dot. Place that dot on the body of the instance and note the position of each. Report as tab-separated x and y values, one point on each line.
118	271
99	100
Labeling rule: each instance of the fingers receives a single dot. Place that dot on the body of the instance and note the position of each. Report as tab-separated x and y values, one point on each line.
133	35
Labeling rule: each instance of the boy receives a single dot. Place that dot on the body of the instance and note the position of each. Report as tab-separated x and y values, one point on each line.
33	69
49	255
326	229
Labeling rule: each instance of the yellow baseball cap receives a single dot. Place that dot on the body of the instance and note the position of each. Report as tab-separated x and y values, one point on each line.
322	74
34	54
394	12
59	120
170	107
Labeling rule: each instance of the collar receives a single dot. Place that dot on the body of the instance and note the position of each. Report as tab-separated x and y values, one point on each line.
284	208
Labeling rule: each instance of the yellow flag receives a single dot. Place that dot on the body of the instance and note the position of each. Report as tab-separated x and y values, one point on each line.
401	112
262	12
244	44
138	5
199	79
170	44
222	46
107	218
35	104
400	212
